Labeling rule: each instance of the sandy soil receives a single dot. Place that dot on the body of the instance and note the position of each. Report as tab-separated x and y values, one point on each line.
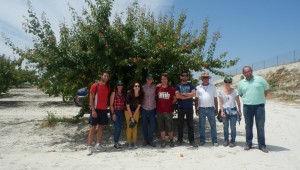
24	144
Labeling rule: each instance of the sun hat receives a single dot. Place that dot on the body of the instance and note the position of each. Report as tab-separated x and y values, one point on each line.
205	74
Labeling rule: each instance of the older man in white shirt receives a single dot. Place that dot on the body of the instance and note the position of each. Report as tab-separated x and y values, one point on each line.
206	104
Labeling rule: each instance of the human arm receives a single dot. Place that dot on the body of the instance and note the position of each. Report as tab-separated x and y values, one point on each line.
221	107
174	100
128	101
185	95
92	104
267	93
239	89
136	111
180	95
111	105
216	105
196	106
185	91
266	87
189	95
238	103
129	111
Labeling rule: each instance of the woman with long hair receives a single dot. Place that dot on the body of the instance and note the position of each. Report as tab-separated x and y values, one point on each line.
117	105
134	100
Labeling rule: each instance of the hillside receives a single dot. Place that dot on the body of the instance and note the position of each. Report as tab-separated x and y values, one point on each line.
284	81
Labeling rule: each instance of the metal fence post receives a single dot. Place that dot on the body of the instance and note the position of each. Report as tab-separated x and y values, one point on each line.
270	62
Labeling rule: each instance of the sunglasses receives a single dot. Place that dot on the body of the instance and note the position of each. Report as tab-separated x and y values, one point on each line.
227	81
205	78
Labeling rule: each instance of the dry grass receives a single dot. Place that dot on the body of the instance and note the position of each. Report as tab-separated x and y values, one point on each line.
284	84
51	120
284	81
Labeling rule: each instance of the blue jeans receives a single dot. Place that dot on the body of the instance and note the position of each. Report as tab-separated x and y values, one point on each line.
257	111
118	124
232	120
189	118
208	112
148	124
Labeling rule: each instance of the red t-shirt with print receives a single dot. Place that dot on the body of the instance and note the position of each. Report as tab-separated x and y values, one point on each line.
101	97
164	99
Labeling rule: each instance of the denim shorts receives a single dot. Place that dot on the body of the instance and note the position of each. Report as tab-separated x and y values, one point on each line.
102	118
165	122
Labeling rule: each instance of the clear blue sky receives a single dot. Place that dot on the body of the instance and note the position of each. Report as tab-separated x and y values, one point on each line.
251	29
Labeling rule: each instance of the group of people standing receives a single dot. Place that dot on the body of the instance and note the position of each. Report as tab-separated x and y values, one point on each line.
154	103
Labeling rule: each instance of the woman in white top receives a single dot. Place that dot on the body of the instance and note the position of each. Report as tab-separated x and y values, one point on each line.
231	110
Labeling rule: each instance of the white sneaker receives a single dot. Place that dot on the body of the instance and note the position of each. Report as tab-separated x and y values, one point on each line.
100	147
89	150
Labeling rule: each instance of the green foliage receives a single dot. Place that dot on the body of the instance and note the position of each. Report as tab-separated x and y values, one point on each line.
22	76
6	73
133	44
11	74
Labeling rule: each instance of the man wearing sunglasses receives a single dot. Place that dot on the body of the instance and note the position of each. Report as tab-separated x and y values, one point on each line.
185	91
206	104
253	90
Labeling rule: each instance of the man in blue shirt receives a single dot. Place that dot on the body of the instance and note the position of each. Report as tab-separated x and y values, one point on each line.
253	90
185	91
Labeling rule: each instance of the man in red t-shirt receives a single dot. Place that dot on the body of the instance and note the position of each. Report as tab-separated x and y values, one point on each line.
165	100
99	93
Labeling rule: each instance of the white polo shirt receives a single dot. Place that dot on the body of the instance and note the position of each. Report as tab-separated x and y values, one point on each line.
206	95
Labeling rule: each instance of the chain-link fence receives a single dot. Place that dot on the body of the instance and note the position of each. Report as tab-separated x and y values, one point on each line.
287	58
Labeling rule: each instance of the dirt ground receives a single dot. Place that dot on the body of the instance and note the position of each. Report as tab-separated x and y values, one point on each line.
24	144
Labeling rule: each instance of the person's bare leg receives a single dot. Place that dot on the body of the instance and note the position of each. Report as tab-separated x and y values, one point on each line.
91	135
162	135
99	133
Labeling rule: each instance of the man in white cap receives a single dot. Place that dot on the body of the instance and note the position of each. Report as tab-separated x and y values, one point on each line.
206	104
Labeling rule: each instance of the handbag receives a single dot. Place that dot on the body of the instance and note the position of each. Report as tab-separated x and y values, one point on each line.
132	124
219	117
